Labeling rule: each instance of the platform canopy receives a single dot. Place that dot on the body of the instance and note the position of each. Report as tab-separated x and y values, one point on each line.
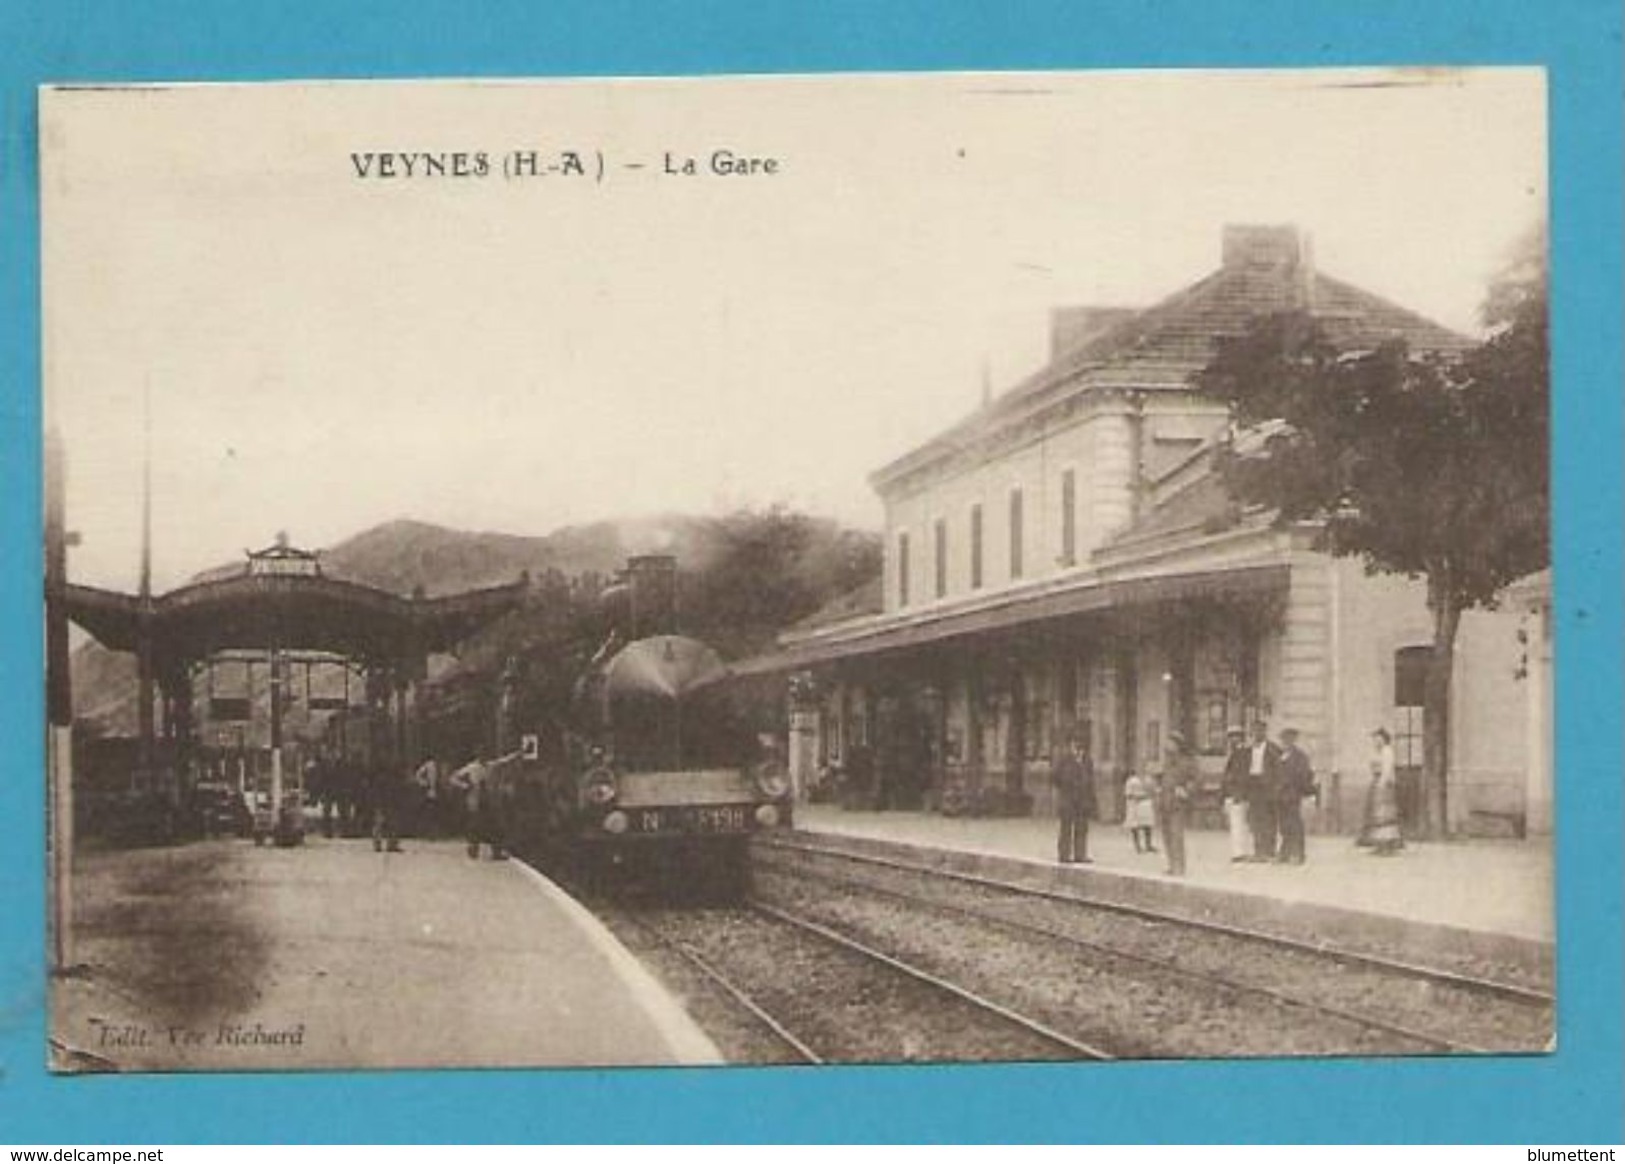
287	611
1037	610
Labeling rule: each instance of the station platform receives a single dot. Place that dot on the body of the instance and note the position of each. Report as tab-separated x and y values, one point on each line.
1493	898
220	955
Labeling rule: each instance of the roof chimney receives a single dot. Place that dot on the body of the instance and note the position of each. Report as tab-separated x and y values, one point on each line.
1278	250
1260	246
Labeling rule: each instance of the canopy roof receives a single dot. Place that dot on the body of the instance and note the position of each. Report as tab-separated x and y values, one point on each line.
287	611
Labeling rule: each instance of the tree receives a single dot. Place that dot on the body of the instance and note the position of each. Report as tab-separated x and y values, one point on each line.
1429	466
770	568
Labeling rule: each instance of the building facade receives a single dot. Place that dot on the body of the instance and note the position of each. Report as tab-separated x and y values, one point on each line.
1066	560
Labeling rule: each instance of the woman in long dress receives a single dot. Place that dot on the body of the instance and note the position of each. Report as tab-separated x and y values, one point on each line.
1381	829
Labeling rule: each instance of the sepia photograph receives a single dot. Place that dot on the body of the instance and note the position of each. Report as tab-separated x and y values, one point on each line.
746	570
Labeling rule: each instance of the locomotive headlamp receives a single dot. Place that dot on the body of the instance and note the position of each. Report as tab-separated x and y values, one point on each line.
773	782
600	786
766	815
616	822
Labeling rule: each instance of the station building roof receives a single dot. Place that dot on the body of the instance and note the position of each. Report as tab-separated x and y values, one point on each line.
1264	270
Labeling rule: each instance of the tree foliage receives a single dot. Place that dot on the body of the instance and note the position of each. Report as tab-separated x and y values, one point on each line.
770	568
1424	465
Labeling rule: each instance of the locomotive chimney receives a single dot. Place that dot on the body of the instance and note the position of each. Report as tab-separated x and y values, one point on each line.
652	581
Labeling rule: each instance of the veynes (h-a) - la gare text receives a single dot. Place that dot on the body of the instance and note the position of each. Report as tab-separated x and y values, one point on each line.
593	164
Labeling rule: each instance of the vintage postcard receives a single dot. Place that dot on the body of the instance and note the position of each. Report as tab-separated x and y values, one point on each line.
744	570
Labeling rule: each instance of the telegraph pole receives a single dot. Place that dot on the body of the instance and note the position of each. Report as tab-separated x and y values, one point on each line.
143	638
58	708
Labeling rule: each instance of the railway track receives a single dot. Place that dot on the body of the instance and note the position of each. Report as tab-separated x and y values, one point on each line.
825	996
1438	1011
799	1050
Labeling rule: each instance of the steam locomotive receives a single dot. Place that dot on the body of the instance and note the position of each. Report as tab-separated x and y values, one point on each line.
658	771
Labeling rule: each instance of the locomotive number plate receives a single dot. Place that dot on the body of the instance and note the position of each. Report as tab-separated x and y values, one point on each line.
704	818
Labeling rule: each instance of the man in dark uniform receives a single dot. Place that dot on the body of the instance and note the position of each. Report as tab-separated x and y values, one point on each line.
387	793
1263	791
1074	780
1174	792
1297	780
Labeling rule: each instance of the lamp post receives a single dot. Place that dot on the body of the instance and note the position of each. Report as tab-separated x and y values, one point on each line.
278	678
1343	513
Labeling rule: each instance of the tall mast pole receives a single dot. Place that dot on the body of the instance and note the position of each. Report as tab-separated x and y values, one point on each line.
144	661
146	490
59	706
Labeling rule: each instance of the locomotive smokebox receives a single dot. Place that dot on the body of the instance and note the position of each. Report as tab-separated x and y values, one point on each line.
651	581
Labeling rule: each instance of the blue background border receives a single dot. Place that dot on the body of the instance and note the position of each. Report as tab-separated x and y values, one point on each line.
1573	1096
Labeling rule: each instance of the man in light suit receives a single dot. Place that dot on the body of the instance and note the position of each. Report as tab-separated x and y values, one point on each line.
1235	795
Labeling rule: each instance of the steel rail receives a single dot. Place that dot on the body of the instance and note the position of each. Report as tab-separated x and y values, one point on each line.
1166	966
1527	996
717	978
711	973
1049	1034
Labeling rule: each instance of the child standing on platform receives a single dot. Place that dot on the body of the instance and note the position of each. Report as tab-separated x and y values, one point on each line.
1139	811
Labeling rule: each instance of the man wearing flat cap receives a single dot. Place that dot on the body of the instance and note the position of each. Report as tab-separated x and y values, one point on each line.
1297	780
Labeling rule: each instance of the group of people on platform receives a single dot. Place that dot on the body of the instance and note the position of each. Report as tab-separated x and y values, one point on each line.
349	795
431	801
1264	788
1265	784
1153	804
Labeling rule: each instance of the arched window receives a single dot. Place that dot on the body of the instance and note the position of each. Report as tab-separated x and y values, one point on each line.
1410	684
1410	681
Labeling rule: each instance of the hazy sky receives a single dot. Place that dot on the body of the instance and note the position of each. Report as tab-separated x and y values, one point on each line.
324	352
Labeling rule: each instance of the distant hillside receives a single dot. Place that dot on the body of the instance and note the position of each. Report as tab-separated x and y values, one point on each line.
820	559
402	555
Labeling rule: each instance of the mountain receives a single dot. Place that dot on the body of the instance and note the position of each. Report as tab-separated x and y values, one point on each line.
403	555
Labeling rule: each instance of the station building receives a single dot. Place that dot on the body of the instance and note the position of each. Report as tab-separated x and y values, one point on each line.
1067	559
